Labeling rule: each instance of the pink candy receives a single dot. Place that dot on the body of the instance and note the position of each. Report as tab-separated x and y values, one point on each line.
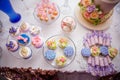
106	61
109	60
90	60
97	60
101	62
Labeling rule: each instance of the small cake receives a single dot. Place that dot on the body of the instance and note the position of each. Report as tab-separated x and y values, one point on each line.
37	42
51	44
113	52
104	50
63	42
13	31
95	50
50	55
86	52
68	24
23	39
12	45
69	51
24	27
34	30
61	61
25	52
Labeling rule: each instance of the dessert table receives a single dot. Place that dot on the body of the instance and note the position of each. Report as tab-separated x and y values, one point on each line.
79	64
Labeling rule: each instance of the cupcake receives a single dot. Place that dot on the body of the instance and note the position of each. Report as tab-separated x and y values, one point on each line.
24	27
86	52
50	55
13	31
113	52
37	42
34	30
68	51
95	51
63	42
104	50
12	45
25	52
61	61
51	44
23	39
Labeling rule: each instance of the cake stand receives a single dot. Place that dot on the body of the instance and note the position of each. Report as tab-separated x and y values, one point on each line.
86	24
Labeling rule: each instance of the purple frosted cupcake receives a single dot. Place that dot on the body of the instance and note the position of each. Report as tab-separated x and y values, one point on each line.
12	45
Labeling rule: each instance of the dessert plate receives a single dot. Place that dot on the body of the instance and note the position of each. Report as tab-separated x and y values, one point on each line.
84	23
33	49
59	51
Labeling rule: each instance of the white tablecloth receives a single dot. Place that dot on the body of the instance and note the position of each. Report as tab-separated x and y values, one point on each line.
26	9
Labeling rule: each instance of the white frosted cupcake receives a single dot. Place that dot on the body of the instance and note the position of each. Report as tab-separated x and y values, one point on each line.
24	27
25	52
35	30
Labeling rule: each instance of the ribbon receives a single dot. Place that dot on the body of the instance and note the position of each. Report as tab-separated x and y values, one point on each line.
22	38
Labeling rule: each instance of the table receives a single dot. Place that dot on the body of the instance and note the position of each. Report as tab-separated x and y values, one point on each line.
26	9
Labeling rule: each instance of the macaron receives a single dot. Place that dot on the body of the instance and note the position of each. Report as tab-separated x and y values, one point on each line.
104	50
95	50
86	52
113	52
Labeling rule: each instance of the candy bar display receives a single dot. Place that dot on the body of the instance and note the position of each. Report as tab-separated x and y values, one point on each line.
24	40
99	53
46	12
59	51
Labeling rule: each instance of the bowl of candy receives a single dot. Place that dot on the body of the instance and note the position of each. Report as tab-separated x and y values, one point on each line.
46	12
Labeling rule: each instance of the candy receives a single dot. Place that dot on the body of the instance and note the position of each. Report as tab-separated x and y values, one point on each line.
97	61
106	61
90	60
101	62
93	61
109	59
85	43
100	38
96	37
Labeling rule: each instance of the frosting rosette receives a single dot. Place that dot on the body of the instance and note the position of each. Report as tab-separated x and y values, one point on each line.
95	51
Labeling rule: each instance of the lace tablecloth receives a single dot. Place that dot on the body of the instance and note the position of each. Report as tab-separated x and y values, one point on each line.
26	9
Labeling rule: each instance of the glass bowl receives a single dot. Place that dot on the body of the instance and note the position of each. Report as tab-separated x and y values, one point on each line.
59	51
68	24
42	19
